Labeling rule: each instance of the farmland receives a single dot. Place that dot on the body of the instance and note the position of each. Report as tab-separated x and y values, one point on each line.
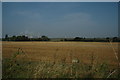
48	56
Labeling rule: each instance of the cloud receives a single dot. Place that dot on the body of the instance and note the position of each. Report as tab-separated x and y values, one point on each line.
80	18
29	14
72	24
76	20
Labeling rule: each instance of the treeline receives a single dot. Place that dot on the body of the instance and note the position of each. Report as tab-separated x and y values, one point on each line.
25	38
107	39
45	38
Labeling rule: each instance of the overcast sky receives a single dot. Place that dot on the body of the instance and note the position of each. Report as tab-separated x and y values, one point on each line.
60	19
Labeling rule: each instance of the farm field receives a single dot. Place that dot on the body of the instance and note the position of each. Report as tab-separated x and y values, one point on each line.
57	53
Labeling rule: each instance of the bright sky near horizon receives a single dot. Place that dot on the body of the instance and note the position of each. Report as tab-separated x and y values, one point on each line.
60	19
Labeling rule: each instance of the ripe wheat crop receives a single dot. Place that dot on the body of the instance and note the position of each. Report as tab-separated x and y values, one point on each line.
59	59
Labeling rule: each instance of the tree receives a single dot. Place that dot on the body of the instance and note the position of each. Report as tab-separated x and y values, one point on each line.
108	39
21	38
115	39
6	37
13	38
45	38
77	39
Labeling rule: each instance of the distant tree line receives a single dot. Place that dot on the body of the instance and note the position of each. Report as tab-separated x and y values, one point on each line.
24	38
107	39
45	38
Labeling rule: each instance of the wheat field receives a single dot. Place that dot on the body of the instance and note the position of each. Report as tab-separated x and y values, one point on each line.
50	51
59	59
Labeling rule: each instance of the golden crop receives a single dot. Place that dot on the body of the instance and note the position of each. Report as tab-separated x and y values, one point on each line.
63	51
